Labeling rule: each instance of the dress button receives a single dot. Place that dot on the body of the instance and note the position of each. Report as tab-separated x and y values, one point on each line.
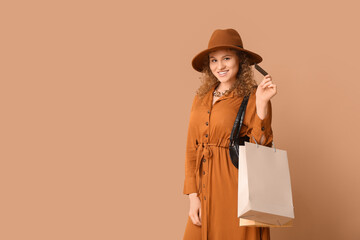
204	172
206	135
203	185
208	111
204	197
262	128
204	160
207	123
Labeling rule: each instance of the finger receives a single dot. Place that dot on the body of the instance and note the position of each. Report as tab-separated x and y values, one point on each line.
267	77
268	84
265	80
265	83
194	219
272	85
197	220
200	214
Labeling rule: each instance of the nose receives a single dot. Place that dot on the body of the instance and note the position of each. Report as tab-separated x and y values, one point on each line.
221	65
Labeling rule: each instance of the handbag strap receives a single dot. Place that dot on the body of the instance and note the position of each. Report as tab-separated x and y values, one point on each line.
238	121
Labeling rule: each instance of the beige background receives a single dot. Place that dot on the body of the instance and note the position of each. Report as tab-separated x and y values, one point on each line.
95	100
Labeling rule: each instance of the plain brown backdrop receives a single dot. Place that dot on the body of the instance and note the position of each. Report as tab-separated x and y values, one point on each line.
95	100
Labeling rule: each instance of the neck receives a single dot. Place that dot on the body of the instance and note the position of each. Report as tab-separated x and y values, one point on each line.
224	86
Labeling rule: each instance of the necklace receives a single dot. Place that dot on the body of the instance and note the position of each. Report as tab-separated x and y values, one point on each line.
216	93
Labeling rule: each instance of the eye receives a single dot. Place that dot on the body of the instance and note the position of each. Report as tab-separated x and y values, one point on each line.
213	60
227	58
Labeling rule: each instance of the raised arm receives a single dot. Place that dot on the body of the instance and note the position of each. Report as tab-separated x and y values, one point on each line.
260	125
260	109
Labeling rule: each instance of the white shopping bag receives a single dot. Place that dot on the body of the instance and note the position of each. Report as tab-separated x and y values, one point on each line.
264	187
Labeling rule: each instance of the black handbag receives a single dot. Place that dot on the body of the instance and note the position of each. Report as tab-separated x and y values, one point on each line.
235	140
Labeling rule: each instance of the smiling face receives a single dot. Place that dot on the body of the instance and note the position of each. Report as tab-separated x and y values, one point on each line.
224	64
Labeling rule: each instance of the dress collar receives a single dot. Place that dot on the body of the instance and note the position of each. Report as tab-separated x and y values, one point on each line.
208	98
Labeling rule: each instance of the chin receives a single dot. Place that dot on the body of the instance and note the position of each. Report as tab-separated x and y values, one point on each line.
225	80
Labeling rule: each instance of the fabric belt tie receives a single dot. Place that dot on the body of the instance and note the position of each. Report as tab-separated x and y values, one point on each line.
204	149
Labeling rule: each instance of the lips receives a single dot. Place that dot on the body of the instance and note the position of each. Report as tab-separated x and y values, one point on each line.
223	73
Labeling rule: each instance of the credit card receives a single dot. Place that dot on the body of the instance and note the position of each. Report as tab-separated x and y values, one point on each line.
262	71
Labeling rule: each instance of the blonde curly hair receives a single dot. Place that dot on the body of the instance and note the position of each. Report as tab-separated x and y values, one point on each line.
244	83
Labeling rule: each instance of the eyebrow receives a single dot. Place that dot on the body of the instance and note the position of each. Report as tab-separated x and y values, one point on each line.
223	56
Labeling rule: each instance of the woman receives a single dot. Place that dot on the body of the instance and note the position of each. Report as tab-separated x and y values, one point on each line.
210	177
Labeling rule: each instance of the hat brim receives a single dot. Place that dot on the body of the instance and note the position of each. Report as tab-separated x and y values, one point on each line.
198	60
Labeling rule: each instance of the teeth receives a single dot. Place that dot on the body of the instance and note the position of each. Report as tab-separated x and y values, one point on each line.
222	72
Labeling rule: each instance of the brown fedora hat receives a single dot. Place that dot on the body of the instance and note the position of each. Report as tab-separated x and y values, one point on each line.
224	38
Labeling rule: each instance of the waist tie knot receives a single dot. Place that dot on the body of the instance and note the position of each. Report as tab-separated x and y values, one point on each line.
205	150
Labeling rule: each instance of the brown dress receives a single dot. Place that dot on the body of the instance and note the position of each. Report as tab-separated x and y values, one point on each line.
209	170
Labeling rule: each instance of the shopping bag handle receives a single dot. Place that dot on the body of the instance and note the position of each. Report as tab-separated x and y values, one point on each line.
257	145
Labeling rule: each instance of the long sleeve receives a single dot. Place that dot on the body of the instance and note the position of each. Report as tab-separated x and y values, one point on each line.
259	127
190	155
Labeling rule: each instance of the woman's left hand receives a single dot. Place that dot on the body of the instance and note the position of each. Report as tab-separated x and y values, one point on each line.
266	90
